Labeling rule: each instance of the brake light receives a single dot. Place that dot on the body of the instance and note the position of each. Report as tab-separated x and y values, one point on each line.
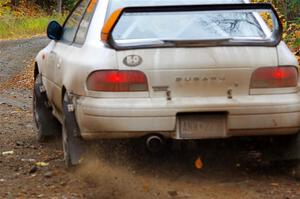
117	81
274	77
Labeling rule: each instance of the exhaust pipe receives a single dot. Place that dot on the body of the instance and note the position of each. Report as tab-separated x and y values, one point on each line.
155	143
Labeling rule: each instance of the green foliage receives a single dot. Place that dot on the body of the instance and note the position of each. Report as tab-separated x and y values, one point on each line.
50	5
17	27
297	42
3	7
293	8
69	4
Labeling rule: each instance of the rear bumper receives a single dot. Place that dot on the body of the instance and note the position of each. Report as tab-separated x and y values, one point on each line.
128	117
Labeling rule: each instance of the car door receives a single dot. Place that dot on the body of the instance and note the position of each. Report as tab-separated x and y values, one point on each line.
62	52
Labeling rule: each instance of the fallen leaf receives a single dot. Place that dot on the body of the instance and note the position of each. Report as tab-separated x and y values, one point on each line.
8	153
297	34
275	184
198	163
41	164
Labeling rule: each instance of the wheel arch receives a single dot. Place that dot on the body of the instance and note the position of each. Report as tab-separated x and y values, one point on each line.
36	70
63	92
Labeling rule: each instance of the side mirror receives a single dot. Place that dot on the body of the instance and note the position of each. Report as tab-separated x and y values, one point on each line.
54	30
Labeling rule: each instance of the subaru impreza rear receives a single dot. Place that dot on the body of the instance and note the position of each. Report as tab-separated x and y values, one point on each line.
173	69
192	72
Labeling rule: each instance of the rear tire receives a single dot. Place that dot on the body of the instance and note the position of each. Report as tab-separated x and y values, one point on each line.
47	125
285	149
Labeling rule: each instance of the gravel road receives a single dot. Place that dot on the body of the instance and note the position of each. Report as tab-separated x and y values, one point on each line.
120	169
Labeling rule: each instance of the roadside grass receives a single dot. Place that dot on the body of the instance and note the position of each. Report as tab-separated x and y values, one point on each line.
12	27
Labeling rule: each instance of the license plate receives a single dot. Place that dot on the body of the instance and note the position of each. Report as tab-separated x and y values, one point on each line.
201	126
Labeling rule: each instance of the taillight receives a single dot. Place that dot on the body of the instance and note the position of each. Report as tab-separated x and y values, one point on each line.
274	77
117	81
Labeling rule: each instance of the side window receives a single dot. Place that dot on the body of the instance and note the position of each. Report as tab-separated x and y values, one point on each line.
85	23
72	23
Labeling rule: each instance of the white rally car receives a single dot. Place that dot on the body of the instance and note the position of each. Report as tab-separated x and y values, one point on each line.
180	69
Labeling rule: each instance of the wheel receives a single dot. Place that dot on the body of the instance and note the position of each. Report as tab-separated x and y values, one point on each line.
47	125
74	146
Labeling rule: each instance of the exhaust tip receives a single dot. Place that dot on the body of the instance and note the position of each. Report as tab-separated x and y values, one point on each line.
155	143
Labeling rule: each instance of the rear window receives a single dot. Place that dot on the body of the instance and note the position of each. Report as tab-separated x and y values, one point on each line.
196	25
189	25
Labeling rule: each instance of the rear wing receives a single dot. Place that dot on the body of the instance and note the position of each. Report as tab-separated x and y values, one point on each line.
274	38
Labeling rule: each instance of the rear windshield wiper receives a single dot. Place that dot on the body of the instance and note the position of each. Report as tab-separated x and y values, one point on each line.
171	43
202	42
144	42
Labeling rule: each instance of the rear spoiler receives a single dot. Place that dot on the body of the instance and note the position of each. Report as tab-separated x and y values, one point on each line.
106	33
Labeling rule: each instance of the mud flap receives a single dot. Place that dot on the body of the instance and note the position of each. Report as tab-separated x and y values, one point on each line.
74	145
282	148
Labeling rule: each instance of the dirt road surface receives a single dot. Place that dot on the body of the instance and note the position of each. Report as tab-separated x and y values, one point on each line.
118	169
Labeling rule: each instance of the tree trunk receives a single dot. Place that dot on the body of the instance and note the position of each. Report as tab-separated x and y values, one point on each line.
59	6
15	2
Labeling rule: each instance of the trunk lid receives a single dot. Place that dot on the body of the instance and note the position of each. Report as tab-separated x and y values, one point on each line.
198	72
